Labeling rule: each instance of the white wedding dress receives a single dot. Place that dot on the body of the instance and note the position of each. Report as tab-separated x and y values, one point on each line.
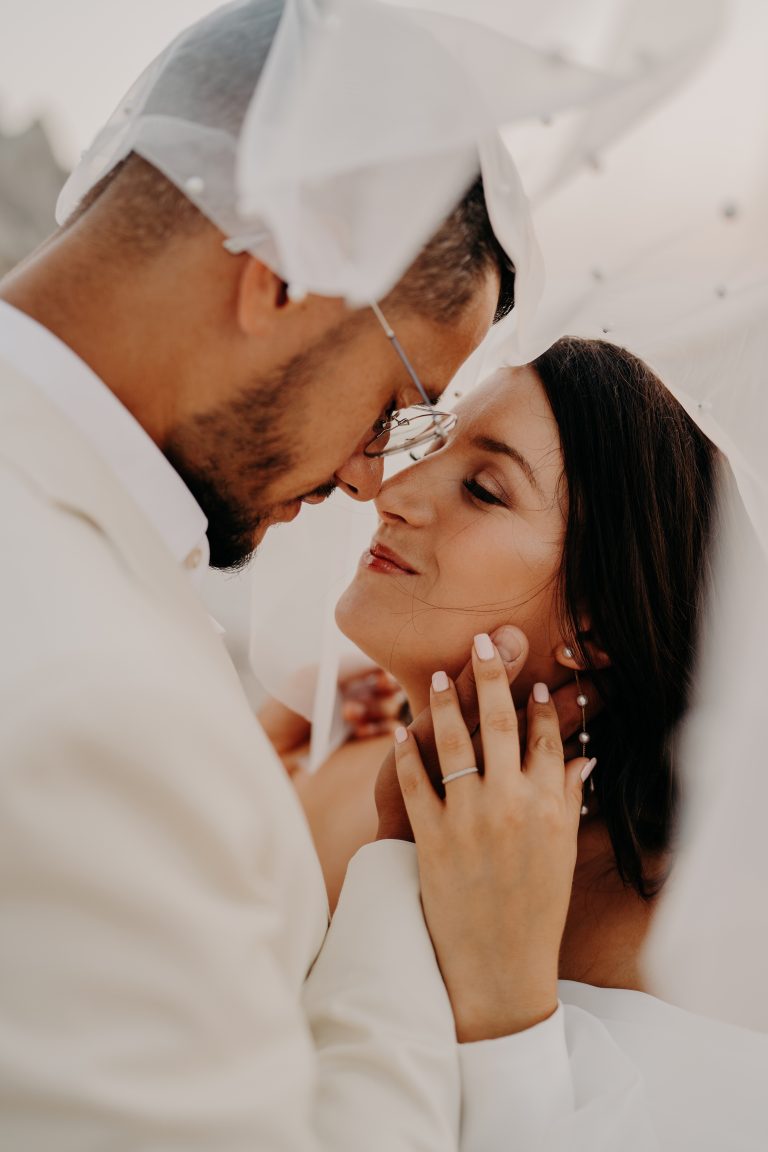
618	1071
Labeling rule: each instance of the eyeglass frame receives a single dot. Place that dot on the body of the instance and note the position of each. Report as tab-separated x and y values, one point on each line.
442	422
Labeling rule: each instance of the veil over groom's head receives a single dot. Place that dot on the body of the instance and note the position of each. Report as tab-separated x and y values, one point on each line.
258	365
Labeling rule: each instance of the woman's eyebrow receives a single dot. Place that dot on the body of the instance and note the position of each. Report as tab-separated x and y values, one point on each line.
488	444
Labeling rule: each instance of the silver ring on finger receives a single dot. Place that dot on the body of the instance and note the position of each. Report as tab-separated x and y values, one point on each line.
458	775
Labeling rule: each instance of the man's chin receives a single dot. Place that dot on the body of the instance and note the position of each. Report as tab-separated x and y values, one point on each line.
232	553
233	556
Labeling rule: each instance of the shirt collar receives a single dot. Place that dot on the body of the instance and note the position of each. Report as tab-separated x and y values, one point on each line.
69	384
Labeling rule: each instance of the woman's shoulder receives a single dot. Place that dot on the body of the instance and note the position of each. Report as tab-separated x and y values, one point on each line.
631	1006
701	1075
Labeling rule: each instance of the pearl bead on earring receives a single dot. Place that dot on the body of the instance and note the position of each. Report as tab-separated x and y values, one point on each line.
582	700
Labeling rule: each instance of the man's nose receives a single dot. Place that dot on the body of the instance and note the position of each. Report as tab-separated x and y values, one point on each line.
361	476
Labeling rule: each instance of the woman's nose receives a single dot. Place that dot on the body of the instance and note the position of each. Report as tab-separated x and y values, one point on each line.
360	477
406	497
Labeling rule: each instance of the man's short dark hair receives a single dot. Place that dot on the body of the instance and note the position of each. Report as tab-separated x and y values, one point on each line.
140	211
442	279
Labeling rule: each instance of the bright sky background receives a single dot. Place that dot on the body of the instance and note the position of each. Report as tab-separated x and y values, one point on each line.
70	61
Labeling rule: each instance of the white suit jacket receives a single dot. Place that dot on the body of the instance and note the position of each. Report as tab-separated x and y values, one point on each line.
161	903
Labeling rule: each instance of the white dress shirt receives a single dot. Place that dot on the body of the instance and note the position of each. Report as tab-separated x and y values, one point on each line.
117	436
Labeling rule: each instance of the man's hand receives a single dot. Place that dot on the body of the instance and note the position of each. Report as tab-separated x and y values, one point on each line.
372	702
513	649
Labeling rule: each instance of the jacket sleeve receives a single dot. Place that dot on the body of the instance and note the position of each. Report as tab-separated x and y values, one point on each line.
160	905
381	1017
562	1086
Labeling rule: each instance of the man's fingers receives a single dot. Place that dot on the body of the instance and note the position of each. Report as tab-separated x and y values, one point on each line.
362	685
369	730
373	708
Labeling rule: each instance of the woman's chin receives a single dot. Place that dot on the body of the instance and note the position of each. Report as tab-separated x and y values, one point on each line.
354	621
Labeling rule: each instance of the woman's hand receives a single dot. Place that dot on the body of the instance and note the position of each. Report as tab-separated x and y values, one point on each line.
497	854
512	644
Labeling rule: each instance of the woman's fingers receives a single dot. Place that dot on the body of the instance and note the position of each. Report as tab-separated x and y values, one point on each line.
454	743
512	645
544	750
421	803
577	774
513	649
544	761
498	718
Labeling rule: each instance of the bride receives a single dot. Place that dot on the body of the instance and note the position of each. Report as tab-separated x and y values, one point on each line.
573	500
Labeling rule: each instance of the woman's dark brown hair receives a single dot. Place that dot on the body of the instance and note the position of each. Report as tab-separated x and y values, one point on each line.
640	488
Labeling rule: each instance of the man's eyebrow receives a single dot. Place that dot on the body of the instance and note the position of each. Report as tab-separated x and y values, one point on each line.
488	444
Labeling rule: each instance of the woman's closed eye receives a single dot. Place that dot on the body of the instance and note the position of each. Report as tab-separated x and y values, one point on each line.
485	494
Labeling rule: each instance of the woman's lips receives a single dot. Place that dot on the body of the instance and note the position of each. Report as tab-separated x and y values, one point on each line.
381	559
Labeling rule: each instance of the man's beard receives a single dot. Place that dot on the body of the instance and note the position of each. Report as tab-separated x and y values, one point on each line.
229	456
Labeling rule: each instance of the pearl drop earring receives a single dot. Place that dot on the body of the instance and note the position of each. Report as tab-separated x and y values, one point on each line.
582	700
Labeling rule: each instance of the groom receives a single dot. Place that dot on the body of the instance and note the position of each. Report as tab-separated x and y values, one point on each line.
161	904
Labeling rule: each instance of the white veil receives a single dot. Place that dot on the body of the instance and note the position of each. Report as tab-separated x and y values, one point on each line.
651	209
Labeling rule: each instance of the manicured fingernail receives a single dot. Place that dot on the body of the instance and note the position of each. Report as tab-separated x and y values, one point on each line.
401	735
484	647
439	682
508	645
541	693
586	771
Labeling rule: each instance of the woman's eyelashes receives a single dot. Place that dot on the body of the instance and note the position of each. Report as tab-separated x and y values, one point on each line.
485	495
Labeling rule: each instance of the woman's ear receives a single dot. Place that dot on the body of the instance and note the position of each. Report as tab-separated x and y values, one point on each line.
568	654
260	293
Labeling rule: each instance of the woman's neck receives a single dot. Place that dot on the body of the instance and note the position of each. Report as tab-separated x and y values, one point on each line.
607	920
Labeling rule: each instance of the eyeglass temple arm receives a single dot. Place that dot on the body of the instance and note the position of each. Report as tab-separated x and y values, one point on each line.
400	352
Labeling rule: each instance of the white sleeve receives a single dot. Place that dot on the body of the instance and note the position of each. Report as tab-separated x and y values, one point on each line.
562	1086
380	1016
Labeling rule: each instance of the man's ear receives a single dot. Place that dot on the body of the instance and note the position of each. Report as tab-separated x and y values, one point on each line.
260	293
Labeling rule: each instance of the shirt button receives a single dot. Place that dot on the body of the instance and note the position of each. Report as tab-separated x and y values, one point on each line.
194	559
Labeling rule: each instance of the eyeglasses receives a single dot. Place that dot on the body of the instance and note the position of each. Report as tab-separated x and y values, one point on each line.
407	427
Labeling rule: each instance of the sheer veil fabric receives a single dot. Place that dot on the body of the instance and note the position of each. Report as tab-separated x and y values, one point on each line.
622	144
650	206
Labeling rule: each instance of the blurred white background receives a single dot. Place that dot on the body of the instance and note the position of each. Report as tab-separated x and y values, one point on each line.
68	62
